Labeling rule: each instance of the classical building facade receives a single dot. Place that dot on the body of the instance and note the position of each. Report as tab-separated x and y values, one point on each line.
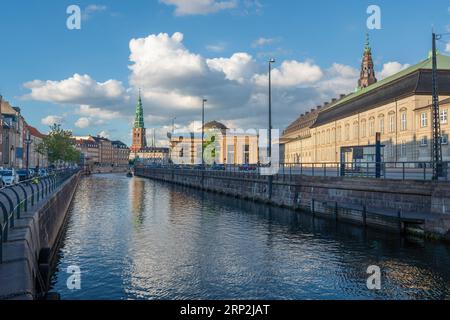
121	154
399	108
222	146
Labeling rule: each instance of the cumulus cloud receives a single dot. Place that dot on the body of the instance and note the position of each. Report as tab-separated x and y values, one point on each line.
174	80
78	89
104	134
51	120
292	73
103	114
83	123
391	68
447	47
240	67
200	7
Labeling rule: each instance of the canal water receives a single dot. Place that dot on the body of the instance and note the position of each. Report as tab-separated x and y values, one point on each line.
141	239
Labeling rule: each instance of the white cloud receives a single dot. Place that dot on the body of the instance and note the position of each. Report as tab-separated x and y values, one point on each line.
83	123
263	42
104	134
174	81
240	67
292	73
160	59
447	47
51	120
391	68
200	7
103	114
78	89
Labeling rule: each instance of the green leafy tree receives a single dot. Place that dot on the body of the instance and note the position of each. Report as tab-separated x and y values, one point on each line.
59	146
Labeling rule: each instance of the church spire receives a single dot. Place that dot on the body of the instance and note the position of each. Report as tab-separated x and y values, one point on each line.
139	120
367	76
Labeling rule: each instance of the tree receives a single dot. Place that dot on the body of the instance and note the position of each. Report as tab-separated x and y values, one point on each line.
59	146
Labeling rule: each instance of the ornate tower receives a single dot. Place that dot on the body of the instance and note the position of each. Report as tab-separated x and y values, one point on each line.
367	76
139	131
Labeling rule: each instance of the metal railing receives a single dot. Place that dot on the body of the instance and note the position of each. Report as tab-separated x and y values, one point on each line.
40	187
383	170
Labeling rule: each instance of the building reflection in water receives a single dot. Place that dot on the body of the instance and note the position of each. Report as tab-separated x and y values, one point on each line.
137	199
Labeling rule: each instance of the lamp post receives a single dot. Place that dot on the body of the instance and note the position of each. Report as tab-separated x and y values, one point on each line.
437	142
28	142
269	153
203	130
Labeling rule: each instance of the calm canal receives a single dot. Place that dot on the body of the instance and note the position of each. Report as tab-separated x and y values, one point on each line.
141	239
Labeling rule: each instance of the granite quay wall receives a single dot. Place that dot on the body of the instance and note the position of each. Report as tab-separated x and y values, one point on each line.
419	207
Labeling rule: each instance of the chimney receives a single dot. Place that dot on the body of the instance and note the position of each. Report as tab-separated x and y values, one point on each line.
342	96
333	100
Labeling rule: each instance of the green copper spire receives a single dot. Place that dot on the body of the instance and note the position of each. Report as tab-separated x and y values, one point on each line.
139	120
368	49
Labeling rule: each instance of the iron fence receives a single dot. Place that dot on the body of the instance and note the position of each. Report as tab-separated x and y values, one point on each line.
32	191
384	170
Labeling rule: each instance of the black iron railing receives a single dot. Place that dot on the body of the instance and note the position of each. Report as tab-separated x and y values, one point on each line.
383	170
21	197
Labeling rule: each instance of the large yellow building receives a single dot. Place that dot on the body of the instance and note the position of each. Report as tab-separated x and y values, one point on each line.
222	146
399	108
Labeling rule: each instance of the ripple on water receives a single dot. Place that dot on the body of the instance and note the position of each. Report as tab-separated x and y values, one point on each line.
139	239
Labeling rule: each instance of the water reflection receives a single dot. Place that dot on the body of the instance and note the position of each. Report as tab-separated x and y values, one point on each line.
157	241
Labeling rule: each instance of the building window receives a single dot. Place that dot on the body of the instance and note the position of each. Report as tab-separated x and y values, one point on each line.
392	123
444	116
372	127
347	132
355	130
403	149
338	134
424	141
363	129
382	125
424	120
444	139
404	122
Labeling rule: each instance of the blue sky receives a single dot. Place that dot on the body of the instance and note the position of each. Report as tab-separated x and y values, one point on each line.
188	49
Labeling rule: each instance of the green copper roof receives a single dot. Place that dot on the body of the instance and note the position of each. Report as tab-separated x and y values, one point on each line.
139	120
367	47
443	63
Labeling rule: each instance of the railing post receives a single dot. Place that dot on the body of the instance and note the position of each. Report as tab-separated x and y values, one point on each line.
424	171
403	166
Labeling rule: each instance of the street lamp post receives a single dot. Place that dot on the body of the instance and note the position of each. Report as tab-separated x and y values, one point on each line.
269	153
203	130
28	142
437	142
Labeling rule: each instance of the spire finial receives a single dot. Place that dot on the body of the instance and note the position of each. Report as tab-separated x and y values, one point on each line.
367	42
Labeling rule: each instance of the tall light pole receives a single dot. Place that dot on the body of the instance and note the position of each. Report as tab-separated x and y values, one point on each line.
203	129
269	153
437	143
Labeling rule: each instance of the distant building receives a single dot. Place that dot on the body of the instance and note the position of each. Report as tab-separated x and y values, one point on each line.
139	131
221	146
140	151
151	155
12	154
34	138
398	107
89	149
121	154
